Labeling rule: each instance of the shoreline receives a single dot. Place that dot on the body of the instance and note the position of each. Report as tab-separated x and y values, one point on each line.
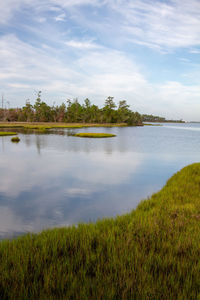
145	253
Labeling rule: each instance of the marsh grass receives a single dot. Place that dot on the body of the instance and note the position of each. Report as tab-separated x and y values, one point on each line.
94	135
149	124
15	139
45	126
151	253
6	133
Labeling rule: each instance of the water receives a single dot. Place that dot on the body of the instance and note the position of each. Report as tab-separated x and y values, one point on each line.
53	179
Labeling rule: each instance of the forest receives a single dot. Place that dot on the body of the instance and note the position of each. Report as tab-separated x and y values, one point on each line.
151	118
72	111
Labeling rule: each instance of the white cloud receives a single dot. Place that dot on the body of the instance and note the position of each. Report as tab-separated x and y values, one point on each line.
76	65
60	18
184	60
69	3
95	74
82	44
9	7
172	25
178	100
19	86
153	23
194	51
37	67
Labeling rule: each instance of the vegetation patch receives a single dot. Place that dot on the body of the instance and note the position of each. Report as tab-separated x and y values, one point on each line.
5	133
36	127
149	124
15	139
94	135
150	253
46	126
73	112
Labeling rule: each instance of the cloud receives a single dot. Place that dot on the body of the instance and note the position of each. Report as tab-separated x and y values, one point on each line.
77	192
194	51
41	20
60	18
178	100
82	44
19	85
184	60
95	74
98	73
10	7
163	24
93	55
69	3
36	68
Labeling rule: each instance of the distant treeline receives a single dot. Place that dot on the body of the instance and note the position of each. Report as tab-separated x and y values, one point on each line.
73	111
151	118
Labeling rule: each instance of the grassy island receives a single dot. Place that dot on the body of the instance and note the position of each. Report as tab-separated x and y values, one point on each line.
4	133
15	139
151	253
94	135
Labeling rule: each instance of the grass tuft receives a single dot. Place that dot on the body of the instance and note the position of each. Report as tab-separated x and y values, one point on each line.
151	253
15	139
94	135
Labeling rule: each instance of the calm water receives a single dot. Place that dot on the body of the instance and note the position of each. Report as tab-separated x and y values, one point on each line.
54	179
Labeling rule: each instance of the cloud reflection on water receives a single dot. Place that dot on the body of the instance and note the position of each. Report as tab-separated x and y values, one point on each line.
58	186
53	180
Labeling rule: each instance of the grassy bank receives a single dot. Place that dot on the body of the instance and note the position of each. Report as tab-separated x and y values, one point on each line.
6	133
151	253
47	125
94	135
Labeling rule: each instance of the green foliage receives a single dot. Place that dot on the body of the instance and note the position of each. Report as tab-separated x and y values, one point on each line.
45	126
151	118
73	112
151	253
15	139
4	133
94	135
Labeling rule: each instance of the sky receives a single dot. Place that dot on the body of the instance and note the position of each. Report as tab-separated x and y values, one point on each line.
146	52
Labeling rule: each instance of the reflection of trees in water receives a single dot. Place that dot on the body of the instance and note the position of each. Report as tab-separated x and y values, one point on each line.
65	185
39	140
3	145
27	140
38	143
63	140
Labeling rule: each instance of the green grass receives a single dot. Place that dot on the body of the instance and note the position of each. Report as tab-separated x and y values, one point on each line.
149	124
151	253
15	139
4	133
94	135
45	125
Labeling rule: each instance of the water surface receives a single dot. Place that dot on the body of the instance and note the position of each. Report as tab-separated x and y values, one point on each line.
55	179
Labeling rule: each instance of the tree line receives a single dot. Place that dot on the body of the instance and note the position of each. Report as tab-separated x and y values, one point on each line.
72	112
151	118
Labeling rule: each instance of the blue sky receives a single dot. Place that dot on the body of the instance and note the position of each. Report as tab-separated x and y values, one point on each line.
144	51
